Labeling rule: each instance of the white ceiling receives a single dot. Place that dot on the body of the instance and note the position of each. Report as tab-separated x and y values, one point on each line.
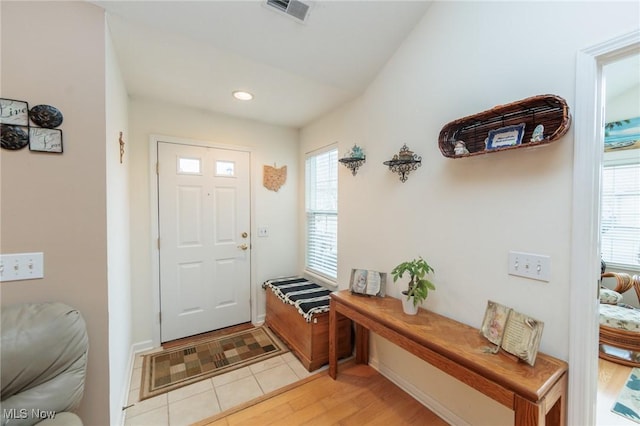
195	53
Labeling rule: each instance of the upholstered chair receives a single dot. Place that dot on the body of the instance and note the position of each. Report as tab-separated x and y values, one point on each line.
43	364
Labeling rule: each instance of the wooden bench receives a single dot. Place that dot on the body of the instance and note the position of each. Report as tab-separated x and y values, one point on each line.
306	334
537	394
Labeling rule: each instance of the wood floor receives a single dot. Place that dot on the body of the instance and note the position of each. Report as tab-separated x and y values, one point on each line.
359	396
362	396
611	379
203	336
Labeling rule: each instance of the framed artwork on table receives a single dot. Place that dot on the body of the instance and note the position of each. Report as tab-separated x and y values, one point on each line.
368	283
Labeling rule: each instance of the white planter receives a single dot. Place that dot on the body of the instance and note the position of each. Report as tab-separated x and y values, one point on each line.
408	307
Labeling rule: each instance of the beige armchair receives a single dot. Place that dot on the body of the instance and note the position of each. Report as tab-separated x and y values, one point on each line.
43	364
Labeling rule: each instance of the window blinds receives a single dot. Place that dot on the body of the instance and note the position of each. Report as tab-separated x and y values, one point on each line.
620	224
322	213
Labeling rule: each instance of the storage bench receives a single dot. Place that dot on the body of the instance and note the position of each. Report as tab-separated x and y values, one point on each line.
298	312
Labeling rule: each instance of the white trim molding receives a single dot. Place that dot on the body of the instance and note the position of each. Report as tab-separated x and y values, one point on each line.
585	234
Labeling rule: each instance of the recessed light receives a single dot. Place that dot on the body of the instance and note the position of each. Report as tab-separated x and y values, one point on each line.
243	96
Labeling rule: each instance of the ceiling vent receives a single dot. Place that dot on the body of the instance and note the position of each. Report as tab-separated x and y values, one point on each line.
294	8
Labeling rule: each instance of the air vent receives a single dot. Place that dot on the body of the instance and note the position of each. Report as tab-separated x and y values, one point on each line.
293	8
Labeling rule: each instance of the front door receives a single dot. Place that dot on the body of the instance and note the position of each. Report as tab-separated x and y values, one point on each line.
204	221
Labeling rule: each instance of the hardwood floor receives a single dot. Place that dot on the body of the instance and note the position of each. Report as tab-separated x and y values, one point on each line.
359	396
611	379
222	332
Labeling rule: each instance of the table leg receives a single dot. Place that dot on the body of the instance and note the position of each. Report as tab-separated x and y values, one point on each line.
362	345
333	344
527	413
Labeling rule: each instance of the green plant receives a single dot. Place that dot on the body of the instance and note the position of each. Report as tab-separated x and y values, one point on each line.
418	286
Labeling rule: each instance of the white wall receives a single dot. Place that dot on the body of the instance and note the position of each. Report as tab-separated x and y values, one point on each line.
624	106
54	53
273	256
118	258
464	215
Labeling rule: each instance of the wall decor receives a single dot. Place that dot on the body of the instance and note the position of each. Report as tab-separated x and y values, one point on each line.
45	116
547	113
273	178
121	141
404	162
13	137
354	159
14	112
45	140
623	134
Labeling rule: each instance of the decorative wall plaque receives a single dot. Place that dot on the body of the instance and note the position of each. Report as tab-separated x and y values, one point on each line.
274	178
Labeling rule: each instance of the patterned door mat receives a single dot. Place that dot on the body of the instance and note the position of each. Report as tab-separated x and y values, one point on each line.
173	368
628	403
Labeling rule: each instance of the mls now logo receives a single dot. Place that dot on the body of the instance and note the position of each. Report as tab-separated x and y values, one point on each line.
23	413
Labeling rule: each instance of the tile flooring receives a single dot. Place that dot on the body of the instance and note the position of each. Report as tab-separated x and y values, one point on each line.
200	400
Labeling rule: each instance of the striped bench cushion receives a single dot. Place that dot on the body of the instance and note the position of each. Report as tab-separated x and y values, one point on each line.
308	297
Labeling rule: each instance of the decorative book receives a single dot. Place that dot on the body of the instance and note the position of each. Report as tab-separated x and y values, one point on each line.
370	283
515	333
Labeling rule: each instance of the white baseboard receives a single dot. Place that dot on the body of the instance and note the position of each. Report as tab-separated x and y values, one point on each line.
136	348
433	405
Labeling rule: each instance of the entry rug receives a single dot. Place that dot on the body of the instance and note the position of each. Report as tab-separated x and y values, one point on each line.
628	403
176	367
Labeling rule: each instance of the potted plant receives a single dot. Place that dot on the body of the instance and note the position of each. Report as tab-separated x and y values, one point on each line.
418	287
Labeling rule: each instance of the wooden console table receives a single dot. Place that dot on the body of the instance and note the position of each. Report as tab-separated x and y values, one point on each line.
536	394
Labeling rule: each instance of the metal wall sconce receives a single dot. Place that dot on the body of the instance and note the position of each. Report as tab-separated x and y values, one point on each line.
404	162
354	159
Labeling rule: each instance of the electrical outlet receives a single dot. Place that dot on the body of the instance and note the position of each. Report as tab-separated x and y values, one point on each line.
529	265
21	266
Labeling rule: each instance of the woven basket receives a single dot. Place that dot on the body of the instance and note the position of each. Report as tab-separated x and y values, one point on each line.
549	110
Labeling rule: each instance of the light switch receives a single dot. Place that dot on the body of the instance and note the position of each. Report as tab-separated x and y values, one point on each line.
21	266
529	265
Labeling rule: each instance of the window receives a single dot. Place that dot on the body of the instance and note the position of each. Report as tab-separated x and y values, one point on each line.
620	224
321	177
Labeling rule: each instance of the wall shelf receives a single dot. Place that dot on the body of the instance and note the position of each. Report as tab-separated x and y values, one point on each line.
404	162
550	111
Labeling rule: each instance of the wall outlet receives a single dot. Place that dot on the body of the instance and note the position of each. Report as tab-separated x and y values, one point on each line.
529	265
21	266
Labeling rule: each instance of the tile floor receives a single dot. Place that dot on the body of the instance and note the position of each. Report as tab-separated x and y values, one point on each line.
210	396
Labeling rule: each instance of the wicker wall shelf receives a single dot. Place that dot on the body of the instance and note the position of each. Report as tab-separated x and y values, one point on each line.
549	111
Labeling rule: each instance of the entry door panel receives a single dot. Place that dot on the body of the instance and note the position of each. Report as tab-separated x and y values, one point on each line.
204	221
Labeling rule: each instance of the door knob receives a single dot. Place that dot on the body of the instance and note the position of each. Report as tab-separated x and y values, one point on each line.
243	246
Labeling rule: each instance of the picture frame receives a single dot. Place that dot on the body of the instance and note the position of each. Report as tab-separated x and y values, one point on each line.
505	136
368	283
45	140
14	112
622	134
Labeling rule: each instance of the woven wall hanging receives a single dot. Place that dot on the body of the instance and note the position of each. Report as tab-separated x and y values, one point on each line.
274	178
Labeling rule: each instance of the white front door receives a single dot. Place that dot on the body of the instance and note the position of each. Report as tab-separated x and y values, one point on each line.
204	221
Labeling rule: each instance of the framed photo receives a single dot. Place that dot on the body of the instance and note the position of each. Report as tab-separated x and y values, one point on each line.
45	140
369	283
505	136
14	112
